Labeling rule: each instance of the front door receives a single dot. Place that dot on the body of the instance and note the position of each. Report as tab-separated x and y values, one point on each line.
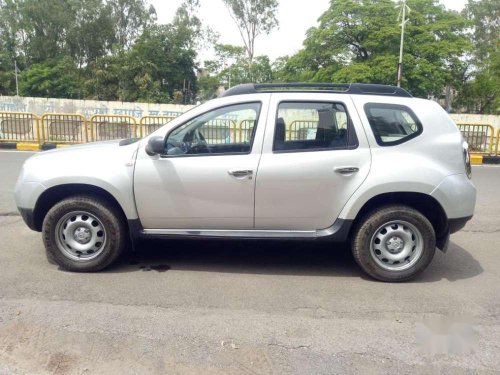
206	179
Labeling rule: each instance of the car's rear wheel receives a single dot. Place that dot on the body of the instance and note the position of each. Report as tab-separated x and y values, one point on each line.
394	243
84	234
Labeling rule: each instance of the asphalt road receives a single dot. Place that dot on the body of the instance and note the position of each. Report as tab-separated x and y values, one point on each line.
249	307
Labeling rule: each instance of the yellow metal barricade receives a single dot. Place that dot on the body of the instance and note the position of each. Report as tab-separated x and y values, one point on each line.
64	128
149	124
20	127
243	132
299	129
497	147
107	127
480	137
219	131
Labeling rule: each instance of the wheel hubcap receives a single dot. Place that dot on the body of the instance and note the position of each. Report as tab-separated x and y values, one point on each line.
80	236
396	245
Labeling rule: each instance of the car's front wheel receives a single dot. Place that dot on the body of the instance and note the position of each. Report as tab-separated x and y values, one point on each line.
83	234
394	243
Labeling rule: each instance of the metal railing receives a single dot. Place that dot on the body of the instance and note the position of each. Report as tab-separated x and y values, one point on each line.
63	128
72	128
299	129
20	127
108	127
243	132
497	146
219	131
480	137
149	124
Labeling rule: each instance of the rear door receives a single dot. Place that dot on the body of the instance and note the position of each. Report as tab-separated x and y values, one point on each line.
315	155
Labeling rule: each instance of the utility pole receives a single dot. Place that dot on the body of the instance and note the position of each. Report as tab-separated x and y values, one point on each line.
404	20
16	71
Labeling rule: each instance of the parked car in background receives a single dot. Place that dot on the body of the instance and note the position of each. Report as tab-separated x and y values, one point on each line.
364	164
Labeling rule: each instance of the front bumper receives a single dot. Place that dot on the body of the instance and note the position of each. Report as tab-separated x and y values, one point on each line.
454	225
28	217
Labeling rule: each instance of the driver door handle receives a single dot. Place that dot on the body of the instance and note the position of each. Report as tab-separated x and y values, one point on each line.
241	173
346	170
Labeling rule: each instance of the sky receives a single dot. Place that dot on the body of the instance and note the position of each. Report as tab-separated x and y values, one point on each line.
295	18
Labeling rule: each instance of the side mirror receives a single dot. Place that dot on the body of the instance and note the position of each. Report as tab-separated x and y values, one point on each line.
155	146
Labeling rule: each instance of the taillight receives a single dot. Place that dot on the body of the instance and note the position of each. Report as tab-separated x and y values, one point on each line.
468	168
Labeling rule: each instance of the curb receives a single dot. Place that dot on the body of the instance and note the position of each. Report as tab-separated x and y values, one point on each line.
21	146
476	159
491	159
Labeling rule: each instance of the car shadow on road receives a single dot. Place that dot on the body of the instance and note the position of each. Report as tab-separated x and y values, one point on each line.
457	264
278	257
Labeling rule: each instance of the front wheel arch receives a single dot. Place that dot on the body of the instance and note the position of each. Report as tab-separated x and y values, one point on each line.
55	194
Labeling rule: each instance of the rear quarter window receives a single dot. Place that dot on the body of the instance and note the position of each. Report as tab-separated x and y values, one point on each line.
392	124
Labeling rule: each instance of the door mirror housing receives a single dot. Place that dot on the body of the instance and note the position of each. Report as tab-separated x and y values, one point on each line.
155	146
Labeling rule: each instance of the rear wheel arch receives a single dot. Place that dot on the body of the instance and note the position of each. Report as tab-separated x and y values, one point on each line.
424	203
55	194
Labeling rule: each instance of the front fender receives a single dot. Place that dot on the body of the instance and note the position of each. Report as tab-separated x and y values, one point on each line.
119	188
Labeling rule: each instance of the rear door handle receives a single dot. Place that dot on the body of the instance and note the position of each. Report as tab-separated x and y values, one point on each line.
241	173
346	170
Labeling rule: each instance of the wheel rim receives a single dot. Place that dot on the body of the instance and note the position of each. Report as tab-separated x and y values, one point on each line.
397	245
80	236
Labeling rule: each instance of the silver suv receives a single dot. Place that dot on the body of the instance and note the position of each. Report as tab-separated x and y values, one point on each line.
364	164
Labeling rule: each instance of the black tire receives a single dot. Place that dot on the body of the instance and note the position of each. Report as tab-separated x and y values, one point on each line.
115	229
364	232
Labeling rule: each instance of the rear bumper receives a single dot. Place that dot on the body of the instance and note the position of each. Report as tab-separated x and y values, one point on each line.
454	225
457	196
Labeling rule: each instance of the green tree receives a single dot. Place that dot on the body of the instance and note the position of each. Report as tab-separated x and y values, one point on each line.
358	41
92	34
130	18
230	68
253	18
103	49
159	64
480	89
55	78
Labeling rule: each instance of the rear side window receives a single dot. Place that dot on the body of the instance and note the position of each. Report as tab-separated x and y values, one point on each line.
304	126
392	124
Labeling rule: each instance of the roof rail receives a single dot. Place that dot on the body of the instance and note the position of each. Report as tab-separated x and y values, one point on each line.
339	88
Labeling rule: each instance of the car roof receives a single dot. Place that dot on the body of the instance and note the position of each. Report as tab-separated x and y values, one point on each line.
338	88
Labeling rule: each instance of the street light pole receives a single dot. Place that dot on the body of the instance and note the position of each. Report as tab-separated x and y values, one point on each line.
402	16
17	84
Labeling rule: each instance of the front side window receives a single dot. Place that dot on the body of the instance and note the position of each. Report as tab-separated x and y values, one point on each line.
226	130
302	126
392	124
